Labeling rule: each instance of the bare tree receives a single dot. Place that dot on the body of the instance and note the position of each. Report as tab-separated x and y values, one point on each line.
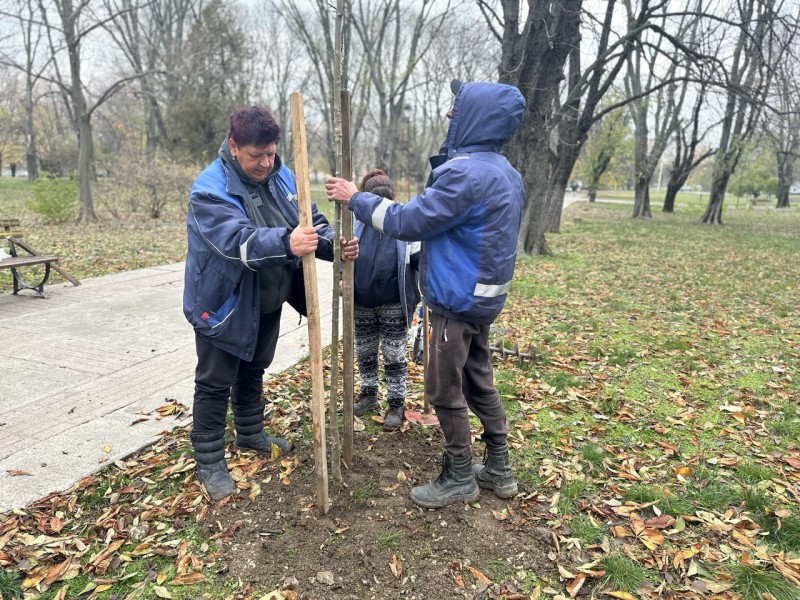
74	24
33	63
782	123
276	74
655	115
689	152
759	45
535	56
606	139
313	27
394	37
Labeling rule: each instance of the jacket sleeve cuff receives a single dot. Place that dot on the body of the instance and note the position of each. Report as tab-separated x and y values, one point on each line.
286	244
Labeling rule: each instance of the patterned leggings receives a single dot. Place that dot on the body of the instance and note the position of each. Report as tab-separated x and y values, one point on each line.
386	324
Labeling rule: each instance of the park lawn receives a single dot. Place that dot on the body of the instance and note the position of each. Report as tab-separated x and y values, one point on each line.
686	199
110	245
654	434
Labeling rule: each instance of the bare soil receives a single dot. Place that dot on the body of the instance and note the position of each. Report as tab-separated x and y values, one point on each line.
374	542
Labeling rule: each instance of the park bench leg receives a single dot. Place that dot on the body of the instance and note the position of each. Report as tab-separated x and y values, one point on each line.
20	283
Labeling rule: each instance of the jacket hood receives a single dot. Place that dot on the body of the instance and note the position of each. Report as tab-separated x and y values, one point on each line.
485	116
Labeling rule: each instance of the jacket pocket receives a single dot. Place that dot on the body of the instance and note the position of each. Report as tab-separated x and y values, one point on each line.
217	300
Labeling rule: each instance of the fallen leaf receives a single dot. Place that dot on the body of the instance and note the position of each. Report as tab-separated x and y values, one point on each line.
396	567
479	576
18	472
575	585
161	591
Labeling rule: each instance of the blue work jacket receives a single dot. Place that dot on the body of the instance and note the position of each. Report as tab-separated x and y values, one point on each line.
227	248
468	217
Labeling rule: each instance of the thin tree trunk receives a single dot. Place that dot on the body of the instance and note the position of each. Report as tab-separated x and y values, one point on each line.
31	153
85	168
785	170
641	204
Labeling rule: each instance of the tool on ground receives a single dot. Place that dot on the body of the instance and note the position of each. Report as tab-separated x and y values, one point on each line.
514	350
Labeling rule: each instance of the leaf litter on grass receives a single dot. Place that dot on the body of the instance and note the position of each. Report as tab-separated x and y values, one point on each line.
652	434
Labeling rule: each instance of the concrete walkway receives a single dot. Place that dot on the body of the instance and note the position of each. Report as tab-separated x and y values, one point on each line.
83	372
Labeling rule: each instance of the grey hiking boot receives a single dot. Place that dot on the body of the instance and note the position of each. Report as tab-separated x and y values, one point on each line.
250	431
365	404
496	474
394	417
212	470
454	484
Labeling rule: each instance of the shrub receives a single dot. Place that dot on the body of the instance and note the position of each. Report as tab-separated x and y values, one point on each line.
141	186
54	199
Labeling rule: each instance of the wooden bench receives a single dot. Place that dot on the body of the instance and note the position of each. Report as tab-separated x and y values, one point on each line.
759	200
11	231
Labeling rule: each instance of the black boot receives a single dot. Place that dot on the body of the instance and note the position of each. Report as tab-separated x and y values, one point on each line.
365	404
495	474
455	483
250	432
212	471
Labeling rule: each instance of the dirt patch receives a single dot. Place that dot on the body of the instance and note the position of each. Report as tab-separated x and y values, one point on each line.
374	542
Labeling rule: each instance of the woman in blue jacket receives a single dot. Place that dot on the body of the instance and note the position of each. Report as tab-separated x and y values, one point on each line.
468	220
243	263
386	295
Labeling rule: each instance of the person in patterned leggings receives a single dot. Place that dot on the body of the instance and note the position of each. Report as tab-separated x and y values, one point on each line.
386	295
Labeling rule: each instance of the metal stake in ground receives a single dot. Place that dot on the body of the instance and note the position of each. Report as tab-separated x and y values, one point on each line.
312	302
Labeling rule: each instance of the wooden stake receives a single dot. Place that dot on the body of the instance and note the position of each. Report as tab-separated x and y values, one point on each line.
312	302
347	294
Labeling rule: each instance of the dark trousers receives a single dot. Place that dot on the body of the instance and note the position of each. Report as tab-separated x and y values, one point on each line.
220	375
459	376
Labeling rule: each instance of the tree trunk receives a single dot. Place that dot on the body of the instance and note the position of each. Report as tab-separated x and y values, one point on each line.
31	154
673	187
785	168
85	169
535	179
713	213
641	205
555	205
592	194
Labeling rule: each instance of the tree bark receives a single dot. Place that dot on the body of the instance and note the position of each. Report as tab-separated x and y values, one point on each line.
673	187
785	171
713	212
86	212
641	204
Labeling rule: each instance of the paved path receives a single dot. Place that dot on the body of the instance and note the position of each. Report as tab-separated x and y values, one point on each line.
83	372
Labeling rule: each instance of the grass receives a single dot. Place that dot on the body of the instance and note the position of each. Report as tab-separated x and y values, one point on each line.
664	385
390	540
622	573
753	583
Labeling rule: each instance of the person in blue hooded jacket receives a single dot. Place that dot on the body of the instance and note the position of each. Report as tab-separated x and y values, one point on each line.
468	220
243	263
